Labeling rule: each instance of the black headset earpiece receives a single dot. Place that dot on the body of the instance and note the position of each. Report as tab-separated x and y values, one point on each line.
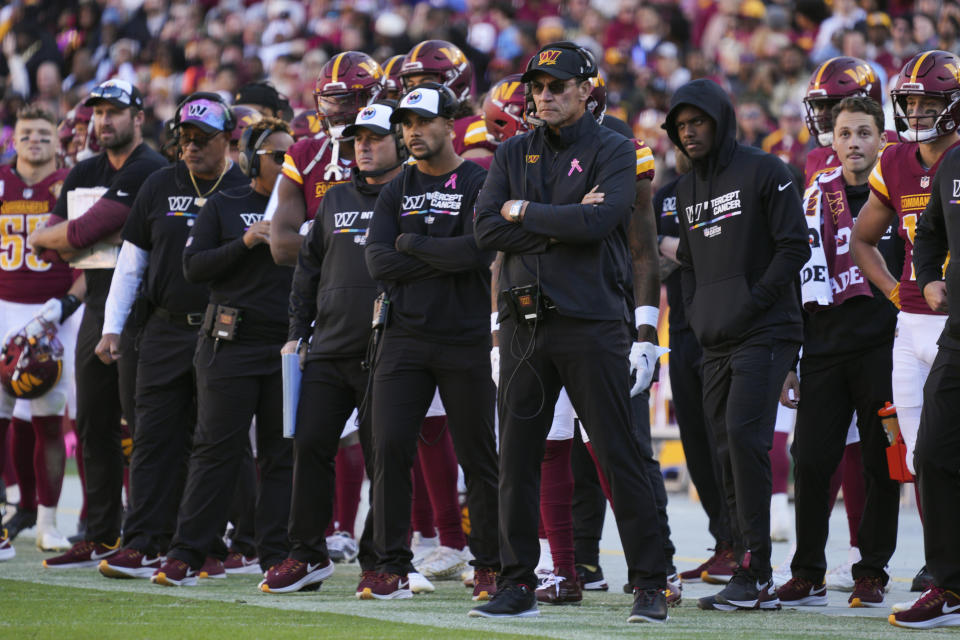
248	160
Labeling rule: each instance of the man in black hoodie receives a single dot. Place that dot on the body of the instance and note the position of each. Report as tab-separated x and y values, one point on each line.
743	240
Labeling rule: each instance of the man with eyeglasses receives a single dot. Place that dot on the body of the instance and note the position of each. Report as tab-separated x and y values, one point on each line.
558	203
151	261
237	368
121	171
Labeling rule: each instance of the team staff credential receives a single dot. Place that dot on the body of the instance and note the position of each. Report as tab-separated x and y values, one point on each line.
557	202
742	243
122	169
330	305
237	363
151	265
437	283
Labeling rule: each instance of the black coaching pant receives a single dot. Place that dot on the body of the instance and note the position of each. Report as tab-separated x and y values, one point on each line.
98	427
166	410
741	389
593	511
408	371
937	461
829	394
590	359
235	382
699	446
329	392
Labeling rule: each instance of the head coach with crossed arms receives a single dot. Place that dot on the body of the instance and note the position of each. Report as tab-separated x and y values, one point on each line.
557	202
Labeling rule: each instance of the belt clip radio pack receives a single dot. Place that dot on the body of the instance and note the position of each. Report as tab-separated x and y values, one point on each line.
221	321
526	303
381	311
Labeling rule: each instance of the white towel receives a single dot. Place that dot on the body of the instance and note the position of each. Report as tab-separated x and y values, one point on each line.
814	277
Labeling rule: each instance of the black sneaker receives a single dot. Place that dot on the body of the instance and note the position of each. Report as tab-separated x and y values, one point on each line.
744	591
921	582
649	605
709	603
19	521
591	580
511	601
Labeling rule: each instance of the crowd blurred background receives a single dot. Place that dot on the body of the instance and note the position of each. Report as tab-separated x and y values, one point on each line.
761	51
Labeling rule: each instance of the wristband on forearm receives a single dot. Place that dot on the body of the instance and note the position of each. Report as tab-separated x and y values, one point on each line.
68	304
646	316
894	295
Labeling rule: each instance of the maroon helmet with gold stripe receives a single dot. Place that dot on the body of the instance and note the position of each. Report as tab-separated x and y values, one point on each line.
834	80
933	74
503	109
31	360
443	59
348	82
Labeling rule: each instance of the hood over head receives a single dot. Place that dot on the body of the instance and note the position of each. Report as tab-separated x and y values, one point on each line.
708	96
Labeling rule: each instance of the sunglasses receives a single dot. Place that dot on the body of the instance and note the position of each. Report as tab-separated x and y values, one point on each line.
556	87
199	141
112	93
277	155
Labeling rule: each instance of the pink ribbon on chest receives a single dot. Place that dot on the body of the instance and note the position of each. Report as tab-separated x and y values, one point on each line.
452	182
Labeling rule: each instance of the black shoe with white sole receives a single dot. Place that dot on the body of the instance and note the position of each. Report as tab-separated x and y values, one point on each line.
744	591
649	605
511	601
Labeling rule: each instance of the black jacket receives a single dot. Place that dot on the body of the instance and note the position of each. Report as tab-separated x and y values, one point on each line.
938	233
578	252
743	236
331	284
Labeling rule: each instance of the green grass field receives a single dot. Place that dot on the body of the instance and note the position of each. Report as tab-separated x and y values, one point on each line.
40	603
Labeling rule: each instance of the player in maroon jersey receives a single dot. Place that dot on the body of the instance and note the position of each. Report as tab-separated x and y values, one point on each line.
349	81
833	81
926	102
31	287
443	62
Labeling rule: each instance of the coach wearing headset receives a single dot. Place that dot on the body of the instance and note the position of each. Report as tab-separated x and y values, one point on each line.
151	261
238	365
557	202
422	252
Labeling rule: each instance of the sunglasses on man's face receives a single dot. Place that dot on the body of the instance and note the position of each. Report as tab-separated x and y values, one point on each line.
276	155
197	140
556	87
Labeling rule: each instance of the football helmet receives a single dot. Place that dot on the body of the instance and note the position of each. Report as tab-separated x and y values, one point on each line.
392	85
503	109
444	59
31	360
306	125
348	82
834	80
245	116
934	74
597	100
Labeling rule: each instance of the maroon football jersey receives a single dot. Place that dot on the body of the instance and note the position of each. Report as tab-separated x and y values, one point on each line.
303	166
902	184
24	277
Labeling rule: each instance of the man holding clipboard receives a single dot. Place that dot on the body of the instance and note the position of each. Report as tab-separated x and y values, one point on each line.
120	170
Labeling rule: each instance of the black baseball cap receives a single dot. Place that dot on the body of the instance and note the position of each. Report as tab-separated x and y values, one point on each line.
259	93
119	93
561	60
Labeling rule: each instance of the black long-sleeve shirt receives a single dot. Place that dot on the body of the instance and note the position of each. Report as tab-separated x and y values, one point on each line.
578	253
331	284
246	278
435	276
937	234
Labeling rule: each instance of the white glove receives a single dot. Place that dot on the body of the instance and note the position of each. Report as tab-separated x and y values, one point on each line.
643	361
495	364
52	310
